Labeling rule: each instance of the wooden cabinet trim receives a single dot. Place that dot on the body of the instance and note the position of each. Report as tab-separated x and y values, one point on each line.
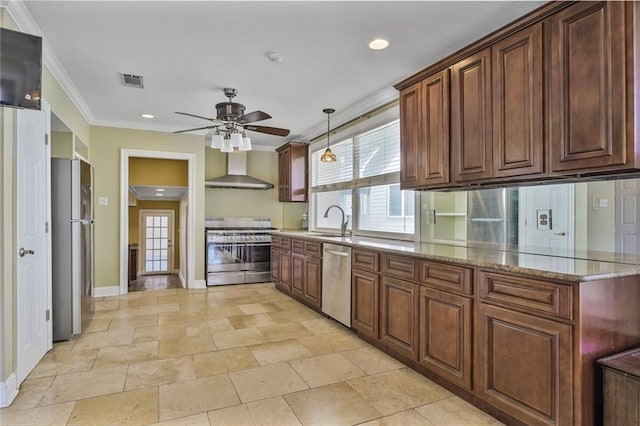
285	243
446	277
365	260
400	267
297	245
313	248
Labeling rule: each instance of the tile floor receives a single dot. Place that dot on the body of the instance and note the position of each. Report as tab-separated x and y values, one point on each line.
235	355
155	282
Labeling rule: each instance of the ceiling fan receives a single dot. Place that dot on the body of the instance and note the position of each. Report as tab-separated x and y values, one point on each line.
231	122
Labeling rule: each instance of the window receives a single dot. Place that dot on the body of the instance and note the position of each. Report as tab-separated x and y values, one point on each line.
364	182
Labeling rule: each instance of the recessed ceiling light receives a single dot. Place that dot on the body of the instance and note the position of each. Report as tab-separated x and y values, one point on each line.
147	115
159	194
378	44
159	189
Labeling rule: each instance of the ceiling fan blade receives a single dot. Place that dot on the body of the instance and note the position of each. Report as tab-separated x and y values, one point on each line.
197	128
252	117
198	116
268	130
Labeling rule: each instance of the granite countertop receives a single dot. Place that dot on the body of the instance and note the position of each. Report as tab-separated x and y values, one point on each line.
544	266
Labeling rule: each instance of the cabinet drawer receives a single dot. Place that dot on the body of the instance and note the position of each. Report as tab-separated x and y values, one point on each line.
275	241
285	243
446	277
365	260
401	267
537	296
297	245
313	248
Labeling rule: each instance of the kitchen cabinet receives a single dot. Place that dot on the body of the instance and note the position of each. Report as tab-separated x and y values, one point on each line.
399	304
313	280
304	274
365	292
446	335
292	172
281	262
471	137
297	274
590	71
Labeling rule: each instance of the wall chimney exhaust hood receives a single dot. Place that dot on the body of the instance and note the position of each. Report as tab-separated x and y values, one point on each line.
236	176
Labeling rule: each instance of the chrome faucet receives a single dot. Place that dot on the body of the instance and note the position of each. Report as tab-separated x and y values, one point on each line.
345	218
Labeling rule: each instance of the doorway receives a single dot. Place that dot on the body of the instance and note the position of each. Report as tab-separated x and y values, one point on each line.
156	241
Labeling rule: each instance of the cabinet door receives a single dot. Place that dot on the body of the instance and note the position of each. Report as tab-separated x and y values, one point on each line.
517	104
433	147
313	280
471	138
445	335
284	163
284	269
297	274
523	365
275	264
410	118
399	316
587	111
365	291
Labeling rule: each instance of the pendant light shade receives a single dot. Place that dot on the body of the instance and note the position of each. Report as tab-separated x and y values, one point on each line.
246	143
328	156
226	146
236	140
216	140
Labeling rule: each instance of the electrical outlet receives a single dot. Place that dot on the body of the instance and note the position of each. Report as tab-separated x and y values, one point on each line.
103	201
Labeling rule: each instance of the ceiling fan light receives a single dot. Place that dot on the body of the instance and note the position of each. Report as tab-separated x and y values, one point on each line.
246	144
236	140
216	141
328	156
226	146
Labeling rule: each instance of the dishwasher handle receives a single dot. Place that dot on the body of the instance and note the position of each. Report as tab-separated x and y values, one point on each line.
337	253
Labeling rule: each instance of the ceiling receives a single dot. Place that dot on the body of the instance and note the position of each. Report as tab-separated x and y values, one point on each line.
188	51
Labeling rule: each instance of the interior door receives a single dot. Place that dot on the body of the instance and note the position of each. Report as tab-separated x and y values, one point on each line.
31	213
156	238
627	210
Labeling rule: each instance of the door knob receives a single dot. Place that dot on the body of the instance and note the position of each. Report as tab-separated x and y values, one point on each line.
22	252
561	234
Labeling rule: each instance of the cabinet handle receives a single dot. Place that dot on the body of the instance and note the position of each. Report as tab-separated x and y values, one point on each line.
337	253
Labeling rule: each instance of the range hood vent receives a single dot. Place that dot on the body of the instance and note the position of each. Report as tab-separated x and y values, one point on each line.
236	176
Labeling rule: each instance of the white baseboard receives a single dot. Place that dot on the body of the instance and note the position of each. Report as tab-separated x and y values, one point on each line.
113	290
198	284
8	391
182	280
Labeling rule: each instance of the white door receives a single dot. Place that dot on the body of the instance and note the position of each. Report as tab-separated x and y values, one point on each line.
31	213
552	234
156	237
627	228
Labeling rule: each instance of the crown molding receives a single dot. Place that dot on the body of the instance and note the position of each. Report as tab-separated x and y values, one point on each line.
25	22
363	106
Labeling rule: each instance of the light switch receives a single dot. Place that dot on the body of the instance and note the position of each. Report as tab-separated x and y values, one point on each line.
103	201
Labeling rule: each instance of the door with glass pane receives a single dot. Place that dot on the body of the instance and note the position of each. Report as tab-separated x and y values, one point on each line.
156	238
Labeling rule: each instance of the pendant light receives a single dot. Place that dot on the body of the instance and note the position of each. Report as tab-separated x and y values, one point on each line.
328	156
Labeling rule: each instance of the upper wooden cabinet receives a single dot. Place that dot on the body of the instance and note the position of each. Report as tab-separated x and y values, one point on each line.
590	72
292	172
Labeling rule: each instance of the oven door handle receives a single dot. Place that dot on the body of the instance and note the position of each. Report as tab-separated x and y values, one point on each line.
258	244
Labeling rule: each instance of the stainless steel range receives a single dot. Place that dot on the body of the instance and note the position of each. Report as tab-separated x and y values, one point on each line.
238	250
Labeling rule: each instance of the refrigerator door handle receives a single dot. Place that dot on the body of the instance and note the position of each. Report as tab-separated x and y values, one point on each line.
82	221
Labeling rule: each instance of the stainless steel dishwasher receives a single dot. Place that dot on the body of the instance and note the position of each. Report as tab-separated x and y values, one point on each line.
336	282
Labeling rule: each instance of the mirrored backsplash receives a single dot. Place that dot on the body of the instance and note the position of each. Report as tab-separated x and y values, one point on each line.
596	220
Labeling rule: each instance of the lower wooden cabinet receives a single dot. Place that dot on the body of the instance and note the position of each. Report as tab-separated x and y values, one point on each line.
365	291
313	280
399	316
284	270
523	365
297	274
445	335
275	264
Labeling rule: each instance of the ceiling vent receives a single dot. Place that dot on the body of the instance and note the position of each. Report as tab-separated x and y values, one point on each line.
132	80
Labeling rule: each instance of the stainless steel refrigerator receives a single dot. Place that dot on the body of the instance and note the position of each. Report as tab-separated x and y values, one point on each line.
72	246
492	216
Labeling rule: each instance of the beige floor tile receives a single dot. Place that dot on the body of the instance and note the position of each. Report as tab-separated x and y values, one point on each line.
63	346
196	420
157	309
182	317
63	362
372	360
196	396
290	305
104	338
322	325
157	332
326	369
265	382
276	352
209	364
398	390
31	391
151	373
272	412
238	359
455	411
106	304
258	308
237	338
126	354
336	404
117	313
233	416
407	418
57	414
97	325
327	343
219	324
249	321
284	331
133	322
184	345
198	330
136	407
70	387
302	314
